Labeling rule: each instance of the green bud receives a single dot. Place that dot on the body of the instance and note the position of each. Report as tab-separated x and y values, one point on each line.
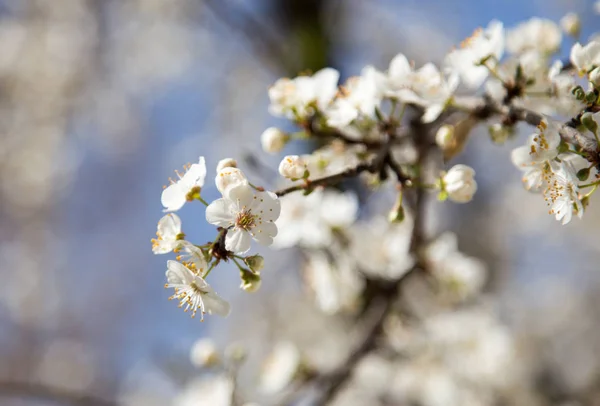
583	174
591	97
588	122
255	262
250	281
578	92
519	74
500	133
585	201
442	196
563	147
397	215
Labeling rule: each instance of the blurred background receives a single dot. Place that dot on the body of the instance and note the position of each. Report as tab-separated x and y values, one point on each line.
100	100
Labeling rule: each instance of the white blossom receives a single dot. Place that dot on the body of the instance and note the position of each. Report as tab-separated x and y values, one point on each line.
594	77
571	24
280	367
537	34
204	353
381	249
361	95
246	214
431	89
168	234
336	285
483	44
444	137
459	183
461	275
474	346
193	292
207	391
226	163
292	167
273	140
399	77
293	97
308	220
541	146
228	178
178	192
333	158
562	192
585	58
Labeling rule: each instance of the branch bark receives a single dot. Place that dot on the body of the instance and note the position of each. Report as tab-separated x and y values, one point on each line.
48	393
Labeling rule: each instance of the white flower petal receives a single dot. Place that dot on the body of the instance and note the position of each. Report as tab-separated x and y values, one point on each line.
173	197
220	213
238	240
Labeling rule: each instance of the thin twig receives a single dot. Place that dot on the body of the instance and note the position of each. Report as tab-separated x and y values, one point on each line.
48	393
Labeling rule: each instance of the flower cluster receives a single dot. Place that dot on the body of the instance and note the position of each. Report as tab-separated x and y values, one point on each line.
243	213
355	208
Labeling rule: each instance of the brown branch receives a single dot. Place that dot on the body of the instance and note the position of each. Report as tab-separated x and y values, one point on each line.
484	108
381	303
47	393
328	180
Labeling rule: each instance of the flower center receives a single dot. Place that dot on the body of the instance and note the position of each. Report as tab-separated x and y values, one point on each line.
196	288
245	220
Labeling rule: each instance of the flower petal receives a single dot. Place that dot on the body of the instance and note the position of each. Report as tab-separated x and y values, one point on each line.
214	304
242	195
220	213
169	226
264	233
238	241
173	197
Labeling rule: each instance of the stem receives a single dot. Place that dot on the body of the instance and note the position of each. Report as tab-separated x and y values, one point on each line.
202	201
589	184
210	268
237	263
382	159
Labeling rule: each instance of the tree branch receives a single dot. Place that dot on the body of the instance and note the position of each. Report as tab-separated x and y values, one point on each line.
381	303
484	108
47	393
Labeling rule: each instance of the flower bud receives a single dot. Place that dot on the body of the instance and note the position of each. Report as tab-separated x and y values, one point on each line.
292	167
229	177
499	133
571	24
444	137
583	174
204	353
250	281
273	140
226	163
459	183
397	215
587	119
594	77
255	263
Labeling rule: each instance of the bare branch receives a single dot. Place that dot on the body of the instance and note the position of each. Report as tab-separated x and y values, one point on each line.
47	393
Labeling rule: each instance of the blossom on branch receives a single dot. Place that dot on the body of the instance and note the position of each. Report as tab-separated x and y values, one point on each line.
247	215
186	188
193	292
